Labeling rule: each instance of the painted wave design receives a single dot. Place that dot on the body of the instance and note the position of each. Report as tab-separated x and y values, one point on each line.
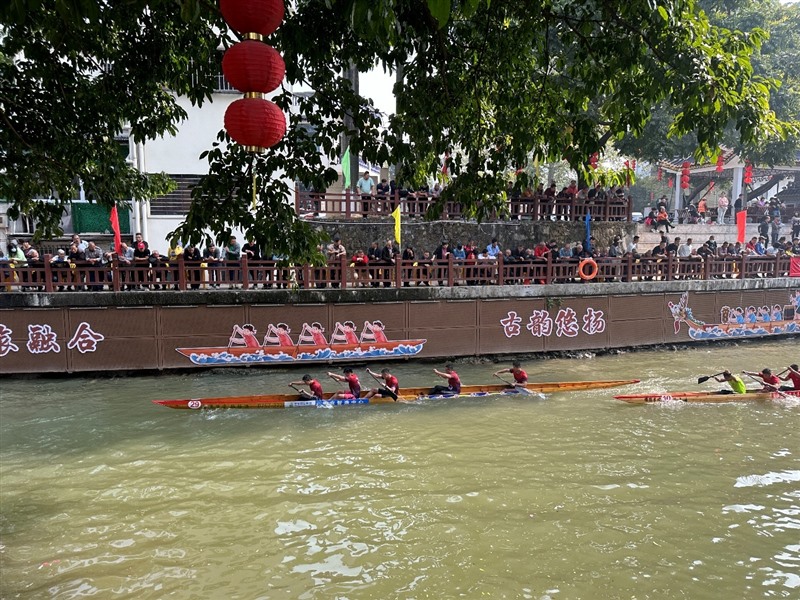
322	354
737	332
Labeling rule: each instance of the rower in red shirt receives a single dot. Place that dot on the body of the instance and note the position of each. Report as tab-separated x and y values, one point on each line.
315	389
771	382
520	376
351	379
390	388
453	382
794	376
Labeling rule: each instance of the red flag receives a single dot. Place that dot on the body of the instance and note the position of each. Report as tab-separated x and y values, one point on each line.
115	226
741	225
794	266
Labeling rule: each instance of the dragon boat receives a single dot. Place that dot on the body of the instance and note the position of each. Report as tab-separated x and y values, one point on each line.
750	395
407	395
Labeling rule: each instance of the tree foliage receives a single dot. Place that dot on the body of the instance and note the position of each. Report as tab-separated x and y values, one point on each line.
494	83
777	58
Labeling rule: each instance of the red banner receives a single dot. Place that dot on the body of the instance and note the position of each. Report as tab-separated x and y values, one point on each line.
794	266
115	226
741	225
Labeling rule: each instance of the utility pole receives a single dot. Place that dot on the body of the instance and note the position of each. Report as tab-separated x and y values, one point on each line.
351	74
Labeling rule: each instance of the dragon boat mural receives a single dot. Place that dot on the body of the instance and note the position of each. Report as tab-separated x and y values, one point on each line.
244	347
738	321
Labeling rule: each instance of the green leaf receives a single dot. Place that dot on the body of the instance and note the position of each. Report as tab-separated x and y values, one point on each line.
440	9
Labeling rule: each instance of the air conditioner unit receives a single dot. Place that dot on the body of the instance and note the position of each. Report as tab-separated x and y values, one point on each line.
3	221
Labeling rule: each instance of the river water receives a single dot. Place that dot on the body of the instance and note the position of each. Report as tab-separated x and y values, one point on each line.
575	495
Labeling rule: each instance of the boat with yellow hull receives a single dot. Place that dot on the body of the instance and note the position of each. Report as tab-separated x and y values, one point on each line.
406	395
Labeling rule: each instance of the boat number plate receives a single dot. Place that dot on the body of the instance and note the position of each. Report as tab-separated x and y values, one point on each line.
194	404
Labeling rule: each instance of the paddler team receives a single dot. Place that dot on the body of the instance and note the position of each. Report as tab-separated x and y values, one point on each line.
771	383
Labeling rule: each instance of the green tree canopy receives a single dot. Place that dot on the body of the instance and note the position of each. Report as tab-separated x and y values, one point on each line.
494	83
777	57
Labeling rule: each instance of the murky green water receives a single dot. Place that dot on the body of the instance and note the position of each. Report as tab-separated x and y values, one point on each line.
574	496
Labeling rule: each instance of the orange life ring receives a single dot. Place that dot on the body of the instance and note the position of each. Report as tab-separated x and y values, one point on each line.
592	269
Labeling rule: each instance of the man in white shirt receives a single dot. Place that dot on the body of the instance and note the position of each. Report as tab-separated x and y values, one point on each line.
633	247
366	186
685	250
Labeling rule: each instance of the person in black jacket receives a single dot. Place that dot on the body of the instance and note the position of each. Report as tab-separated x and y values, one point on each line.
763	227
193	258
388	257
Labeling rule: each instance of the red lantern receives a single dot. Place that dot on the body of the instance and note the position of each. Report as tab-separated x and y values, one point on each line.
660	175
720	163
255	122
711	186
748	174
593	160
685	170
669	182
252	16
252	66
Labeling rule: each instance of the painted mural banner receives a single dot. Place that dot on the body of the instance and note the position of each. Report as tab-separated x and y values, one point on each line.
739	321
312	345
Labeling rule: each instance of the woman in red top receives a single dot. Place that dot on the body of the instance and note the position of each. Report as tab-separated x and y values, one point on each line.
315	388
453	382
771	382
794	376
520	376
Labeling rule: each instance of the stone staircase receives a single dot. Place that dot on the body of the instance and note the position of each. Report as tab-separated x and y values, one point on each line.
698	233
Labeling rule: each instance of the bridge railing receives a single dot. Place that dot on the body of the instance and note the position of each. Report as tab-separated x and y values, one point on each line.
268	274
415	205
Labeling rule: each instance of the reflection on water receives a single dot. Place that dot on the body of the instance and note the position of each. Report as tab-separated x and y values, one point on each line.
574	496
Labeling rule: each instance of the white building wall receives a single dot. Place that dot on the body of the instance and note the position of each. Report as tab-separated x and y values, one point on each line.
180	155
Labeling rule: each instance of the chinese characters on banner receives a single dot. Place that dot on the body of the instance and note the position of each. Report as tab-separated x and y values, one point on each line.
565	323
42	339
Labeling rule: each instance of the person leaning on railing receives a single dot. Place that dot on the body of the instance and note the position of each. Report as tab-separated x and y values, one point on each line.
192	258
77	259
95	274
59	263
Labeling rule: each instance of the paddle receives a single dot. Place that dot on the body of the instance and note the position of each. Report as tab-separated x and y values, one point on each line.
522	389
382	383
705	378
772	385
